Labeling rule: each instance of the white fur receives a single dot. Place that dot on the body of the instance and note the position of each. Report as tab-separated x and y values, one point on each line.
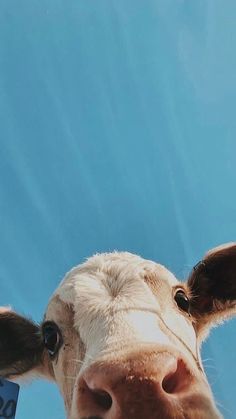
113	304
118	300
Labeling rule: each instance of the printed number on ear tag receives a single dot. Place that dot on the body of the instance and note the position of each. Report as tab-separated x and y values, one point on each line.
8	398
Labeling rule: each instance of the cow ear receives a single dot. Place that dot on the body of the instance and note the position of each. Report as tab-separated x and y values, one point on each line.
212	284
21	345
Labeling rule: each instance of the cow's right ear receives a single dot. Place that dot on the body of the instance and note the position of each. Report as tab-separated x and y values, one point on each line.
21	346
212	284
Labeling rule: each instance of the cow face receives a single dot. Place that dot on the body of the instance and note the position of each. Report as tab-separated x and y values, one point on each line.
121	337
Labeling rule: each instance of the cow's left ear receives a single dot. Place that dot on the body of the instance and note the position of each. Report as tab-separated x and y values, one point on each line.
21	346
212	284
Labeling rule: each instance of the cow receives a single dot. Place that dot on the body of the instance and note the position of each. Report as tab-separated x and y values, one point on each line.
121	337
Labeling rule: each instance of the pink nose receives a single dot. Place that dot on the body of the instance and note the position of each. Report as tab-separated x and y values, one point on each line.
144	387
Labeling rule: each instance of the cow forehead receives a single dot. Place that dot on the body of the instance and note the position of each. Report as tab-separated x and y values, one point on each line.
124	297
114	274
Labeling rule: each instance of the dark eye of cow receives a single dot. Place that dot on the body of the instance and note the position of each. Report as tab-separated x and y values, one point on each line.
52	338
182	300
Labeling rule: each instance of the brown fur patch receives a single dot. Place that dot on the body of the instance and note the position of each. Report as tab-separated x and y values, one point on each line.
151	280
71	354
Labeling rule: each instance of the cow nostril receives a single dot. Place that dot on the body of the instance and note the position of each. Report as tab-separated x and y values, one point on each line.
102	399
169	383
176	380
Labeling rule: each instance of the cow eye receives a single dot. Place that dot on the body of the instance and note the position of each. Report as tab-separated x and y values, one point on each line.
182	300
52	338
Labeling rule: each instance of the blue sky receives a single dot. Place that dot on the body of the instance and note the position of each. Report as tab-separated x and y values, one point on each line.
117	131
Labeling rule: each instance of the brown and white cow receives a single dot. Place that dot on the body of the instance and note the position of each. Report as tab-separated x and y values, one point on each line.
121	337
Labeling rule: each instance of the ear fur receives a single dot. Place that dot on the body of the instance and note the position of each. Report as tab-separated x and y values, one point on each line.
21	345
212	284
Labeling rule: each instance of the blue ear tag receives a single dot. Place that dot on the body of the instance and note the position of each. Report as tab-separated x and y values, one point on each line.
8	398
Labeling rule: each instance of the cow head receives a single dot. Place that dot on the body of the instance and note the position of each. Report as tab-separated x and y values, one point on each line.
121	337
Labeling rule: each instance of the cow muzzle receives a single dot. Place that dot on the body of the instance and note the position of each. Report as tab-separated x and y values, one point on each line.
141	386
